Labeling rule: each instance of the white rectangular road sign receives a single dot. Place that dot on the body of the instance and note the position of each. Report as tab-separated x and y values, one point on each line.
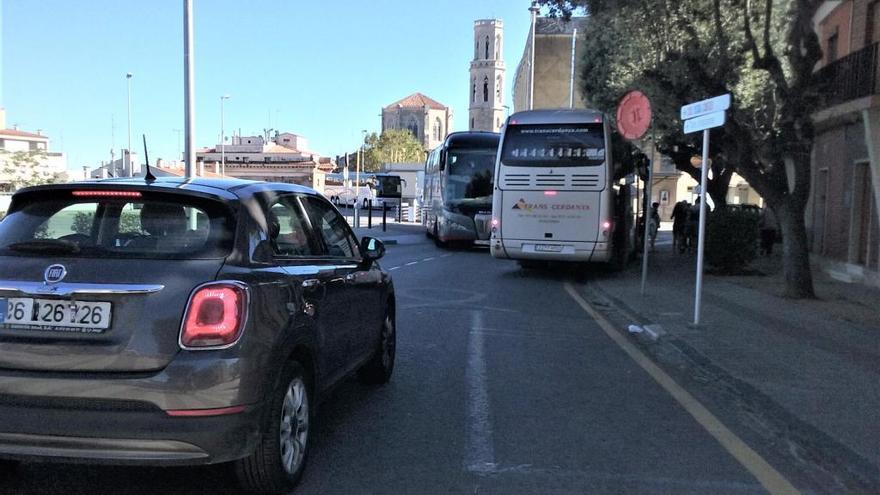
707	121
716	104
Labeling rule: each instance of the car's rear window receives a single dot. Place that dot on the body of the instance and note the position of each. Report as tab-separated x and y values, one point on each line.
117	224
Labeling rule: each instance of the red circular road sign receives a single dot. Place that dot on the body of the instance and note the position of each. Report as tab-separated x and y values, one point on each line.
633	115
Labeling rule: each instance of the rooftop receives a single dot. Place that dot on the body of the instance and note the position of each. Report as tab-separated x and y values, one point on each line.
417	100
22	134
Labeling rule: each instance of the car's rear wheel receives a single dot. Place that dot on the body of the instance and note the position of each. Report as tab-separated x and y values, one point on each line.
280	458
379	368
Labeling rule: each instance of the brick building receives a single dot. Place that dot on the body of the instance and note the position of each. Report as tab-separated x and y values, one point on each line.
842	213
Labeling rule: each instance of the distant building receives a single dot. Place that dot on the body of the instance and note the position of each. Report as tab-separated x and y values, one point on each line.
124	166
14	140
486	90
283	158
427	119
553	65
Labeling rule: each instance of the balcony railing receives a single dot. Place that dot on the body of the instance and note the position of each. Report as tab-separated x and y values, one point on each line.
853	76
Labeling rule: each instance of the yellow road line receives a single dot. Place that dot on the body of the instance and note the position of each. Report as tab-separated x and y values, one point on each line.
766	474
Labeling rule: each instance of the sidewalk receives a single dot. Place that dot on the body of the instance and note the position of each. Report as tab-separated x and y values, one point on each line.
802	377
395	233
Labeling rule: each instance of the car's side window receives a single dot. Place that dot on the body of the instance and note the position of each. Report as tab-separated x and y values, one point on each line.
332	228
288	233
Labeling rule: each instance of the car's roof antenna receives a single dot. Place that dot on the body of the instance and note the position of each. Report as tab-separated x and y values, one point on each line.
148	177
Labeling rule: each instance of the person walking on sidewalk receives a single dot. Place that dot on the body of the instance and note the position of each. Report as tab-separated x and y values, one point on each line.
679	220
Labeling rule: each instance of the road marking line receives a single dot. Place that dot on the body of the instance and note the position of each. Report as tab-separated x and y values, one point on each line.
446	255
411	263
480	454
393	268
766	474
429	259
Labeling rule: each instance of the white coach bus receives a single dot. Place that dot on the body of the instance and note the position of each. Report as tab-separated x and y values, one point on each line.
554	195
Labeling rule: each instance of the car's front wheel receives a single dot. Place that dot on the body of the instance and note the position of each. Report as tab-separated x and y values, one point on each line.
279	460
378	369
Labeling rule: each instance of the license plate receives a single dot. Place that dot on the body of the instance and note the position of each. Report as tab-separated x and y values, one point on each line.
54	315
548	248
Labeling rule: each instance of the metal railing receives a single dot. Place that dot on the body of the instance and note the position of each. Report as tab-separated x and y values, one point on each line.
853	76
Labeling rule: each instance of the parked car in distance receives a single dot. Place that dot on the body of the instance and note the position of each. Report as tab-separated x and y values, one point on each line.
182	322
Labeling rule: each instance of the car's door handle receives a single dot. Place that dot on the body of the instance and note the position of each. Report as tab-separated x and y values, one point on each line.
312	283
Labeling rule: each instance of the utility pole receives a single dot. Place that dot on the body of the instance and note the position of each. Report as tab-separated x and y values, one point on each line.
222	138
128	162
188	90
534	11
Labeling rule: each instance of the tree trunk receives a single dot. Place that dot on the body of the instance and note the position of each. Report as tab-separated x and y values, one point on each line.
796	254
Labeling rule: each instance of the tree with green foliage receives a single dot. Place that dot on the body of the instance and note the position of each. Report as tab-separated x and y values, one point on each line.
392	146
680	51
26	168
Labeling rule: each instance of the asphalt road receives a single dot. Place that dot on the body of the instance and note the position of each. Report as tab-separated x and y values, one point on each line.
503	384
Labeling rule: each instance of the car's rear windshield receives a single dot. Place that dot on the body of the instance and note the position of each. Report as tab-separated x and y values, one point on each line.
118	224
554	145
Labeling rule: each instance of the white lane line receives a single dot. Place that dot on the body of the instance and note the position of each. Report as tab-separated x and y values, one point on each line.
411	263
393	268
429	259
446	255
771	479
480	454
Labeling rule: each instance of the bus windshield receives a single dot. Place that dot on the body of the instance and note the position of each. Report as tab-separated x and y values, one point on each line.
469	174
554	145
388	186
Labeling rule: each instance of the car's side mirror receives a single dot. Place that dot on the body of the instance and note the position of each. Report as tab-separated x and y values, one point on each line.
372	249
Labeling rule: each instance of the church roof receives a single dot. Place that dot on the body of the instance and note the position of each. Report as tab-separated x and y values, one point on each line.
418	100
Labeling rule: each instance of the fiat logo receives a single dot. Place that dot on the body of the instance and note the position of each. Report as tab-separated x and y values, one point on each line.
54	274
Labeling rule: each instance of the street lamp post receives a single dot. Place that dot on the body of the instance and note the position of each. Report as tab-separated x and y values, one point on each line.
222	138
534	11
128	154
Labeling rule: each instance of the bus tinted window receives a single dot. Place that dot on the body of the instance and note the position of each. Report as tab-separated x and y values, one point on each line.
554	145
469	174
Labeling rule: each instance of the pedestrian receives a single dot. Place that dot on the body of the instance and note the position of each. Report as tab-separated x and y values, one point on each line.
768	230
654	224
679	219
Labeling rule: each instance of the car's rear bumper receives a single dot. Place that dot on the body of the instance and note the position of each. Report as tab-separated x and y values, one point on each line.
595	252
122	433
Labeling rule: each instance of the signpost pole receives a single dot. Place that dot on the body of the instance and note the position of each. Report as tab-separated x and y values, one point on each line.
704	173
648	185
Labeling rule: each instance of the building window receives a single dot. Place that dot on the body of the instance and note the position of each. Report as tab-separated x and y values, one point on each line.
872	31
498	88
487	48
486	89
831	48
438	129
267	159
474	91
476	49
472	123
497	47
497	123
2	144
413	128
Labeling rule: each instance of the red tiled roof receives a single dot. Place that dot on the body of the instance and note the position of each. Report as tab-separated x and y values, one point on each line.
17	133
178	172
418	100
277	148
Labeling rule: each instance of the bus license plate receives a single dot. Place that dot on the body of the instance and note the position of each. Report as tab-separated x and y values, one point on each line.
548	248
53	315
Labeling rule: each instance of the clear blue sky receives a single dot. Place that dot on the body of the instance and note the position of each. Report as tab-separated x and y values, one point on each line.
320	69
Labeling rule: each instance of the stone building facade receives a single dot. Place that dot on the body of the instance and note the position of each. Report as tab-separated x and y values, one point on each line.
486	89
427	119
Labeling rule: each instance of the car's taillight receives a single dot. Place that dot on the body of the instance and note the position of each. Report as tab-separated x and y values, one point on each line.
215	316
